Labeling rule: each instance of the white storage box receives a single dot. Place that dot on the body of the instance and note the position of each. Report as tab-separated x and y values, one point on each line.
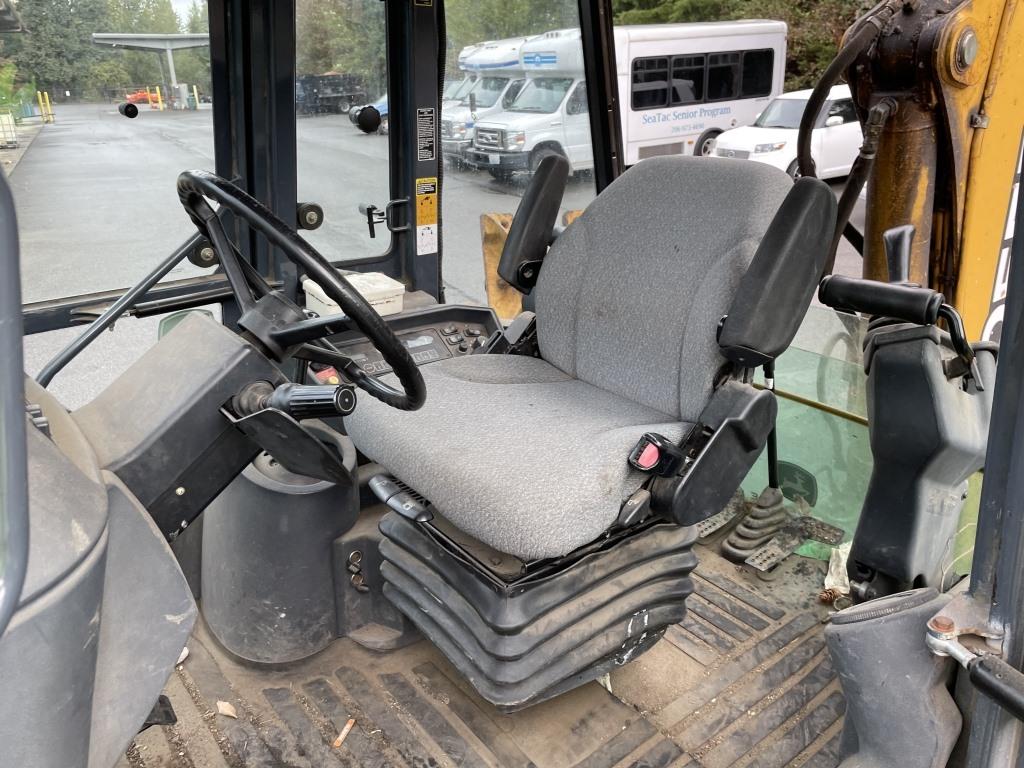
382	292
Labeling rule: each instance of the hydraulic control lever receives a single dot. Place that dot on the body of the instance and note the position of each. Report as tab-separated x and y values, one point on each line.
900	301
300	401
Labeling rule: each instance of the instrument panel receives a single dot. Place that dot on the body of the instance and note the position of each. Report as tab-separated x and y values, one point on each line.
430	335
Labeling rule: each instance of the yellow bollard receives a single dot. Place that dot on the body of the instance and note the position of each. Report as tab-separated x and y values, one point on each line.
49	107
159	100
195	95
42	107
149	97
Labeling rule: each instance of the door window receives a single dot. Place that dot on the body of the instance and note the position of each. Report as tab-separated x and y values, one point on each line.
843	108
341	60
479	196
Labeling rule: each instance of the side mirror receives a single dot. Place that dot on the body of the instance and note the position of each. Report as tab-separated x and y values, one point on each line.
368	119
472	103
833	121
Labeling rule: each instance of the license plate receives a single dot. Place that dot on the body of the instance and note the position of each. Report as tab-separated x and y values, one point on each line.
494	160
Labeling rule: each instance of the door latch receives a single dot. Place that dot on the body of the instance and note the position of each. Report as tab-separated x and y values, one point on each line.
375	216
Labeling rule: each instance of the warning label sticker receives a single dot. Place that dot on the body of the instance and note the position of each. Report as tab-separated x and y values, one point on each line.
426	215
426	129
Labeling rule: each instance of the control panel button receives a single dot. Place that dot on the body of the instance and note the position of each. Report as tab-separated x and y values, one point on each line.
449	329
458	338
464	347
471	331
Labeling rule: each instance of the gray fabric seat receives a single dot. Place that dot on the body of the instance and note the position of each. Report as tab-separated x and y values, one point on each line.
529	455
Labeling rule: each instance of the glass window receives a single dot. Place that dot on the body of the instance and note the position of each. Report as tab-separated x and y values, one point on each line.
510	95
577	104
723	76
758	67
650	83
782	113
486	176
688	79
487	91
843	108
341	65
95	191
542	94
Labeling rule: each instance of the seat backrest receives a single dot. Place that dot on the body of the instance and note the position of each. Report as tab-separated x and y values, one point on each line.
630	295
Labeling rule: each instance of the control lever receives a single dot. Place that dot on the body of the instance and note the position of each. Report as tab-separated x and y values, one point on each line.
398	500
989	674
300	401
898	242
374	216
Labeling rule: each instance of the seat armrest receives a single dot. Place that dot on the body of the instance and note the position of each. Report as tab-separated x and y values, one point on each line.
731	434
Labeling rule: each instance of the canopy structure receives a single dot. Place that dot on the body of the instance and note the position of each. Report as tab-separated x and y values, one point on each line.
154	42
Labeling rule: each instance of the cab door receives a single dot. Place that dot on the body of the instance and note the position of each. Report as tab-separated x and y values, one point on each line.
576	128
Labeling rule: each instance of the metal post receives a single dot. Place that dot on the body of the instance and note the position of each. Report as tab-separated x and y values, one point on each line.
13	458
170	69
997	576
159	100
773	442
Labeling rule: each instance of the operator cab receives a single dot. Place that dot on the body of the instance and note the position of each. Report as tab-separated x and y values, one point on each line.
358	498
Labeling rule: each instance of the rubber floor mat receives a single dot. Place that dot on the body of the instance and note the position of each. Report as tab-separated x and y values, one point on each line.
762	693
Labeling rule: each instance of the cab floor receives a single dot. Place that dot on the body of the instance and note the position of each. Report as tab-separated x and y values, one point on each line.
744	681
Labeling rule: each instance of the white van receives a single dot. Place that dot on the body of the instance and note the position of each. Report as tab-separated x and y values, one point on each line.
680	85
499	78
548	116
454	90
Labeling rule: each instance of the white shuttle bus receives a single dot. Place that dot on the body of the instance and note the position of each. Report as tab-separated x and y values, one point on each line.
680	85
499	78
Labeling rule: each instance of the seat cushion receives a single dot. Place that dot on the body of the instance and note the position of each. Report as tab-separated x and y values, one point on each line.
513	451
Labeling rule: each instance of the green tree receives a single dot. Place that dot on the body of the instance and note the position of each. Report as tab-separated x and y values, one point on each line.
193	64
58	51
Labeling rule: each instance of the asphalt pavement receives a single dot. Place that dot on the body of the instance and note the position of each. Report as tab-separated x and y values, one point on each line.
97	209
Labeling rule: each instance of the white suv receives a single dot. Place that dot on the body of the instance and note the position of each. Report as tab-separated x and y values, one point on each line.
835	140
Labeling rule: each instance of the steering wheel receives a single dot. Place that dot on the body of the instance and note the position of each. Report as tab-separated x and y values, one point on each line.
278	326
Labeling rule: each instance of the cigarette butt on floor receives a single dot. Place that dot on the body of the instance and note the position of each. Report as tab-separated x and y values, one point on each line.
344	733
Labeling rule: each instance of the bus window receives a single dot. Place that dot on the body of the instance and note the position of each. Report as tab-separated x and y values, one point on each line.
688	79
757	73
723	76
650	83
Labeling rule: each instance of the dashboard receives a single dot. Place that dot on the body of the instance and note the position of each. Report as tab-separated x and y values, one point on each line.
436	333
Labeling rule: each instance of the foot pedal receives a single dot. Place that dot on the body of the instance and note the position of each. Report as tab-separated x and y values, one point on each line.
736	507
161	714
789	540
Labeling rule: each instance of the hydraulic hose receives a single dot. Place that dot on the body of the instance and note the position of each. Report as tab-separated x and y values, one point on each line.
878	116
865	32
